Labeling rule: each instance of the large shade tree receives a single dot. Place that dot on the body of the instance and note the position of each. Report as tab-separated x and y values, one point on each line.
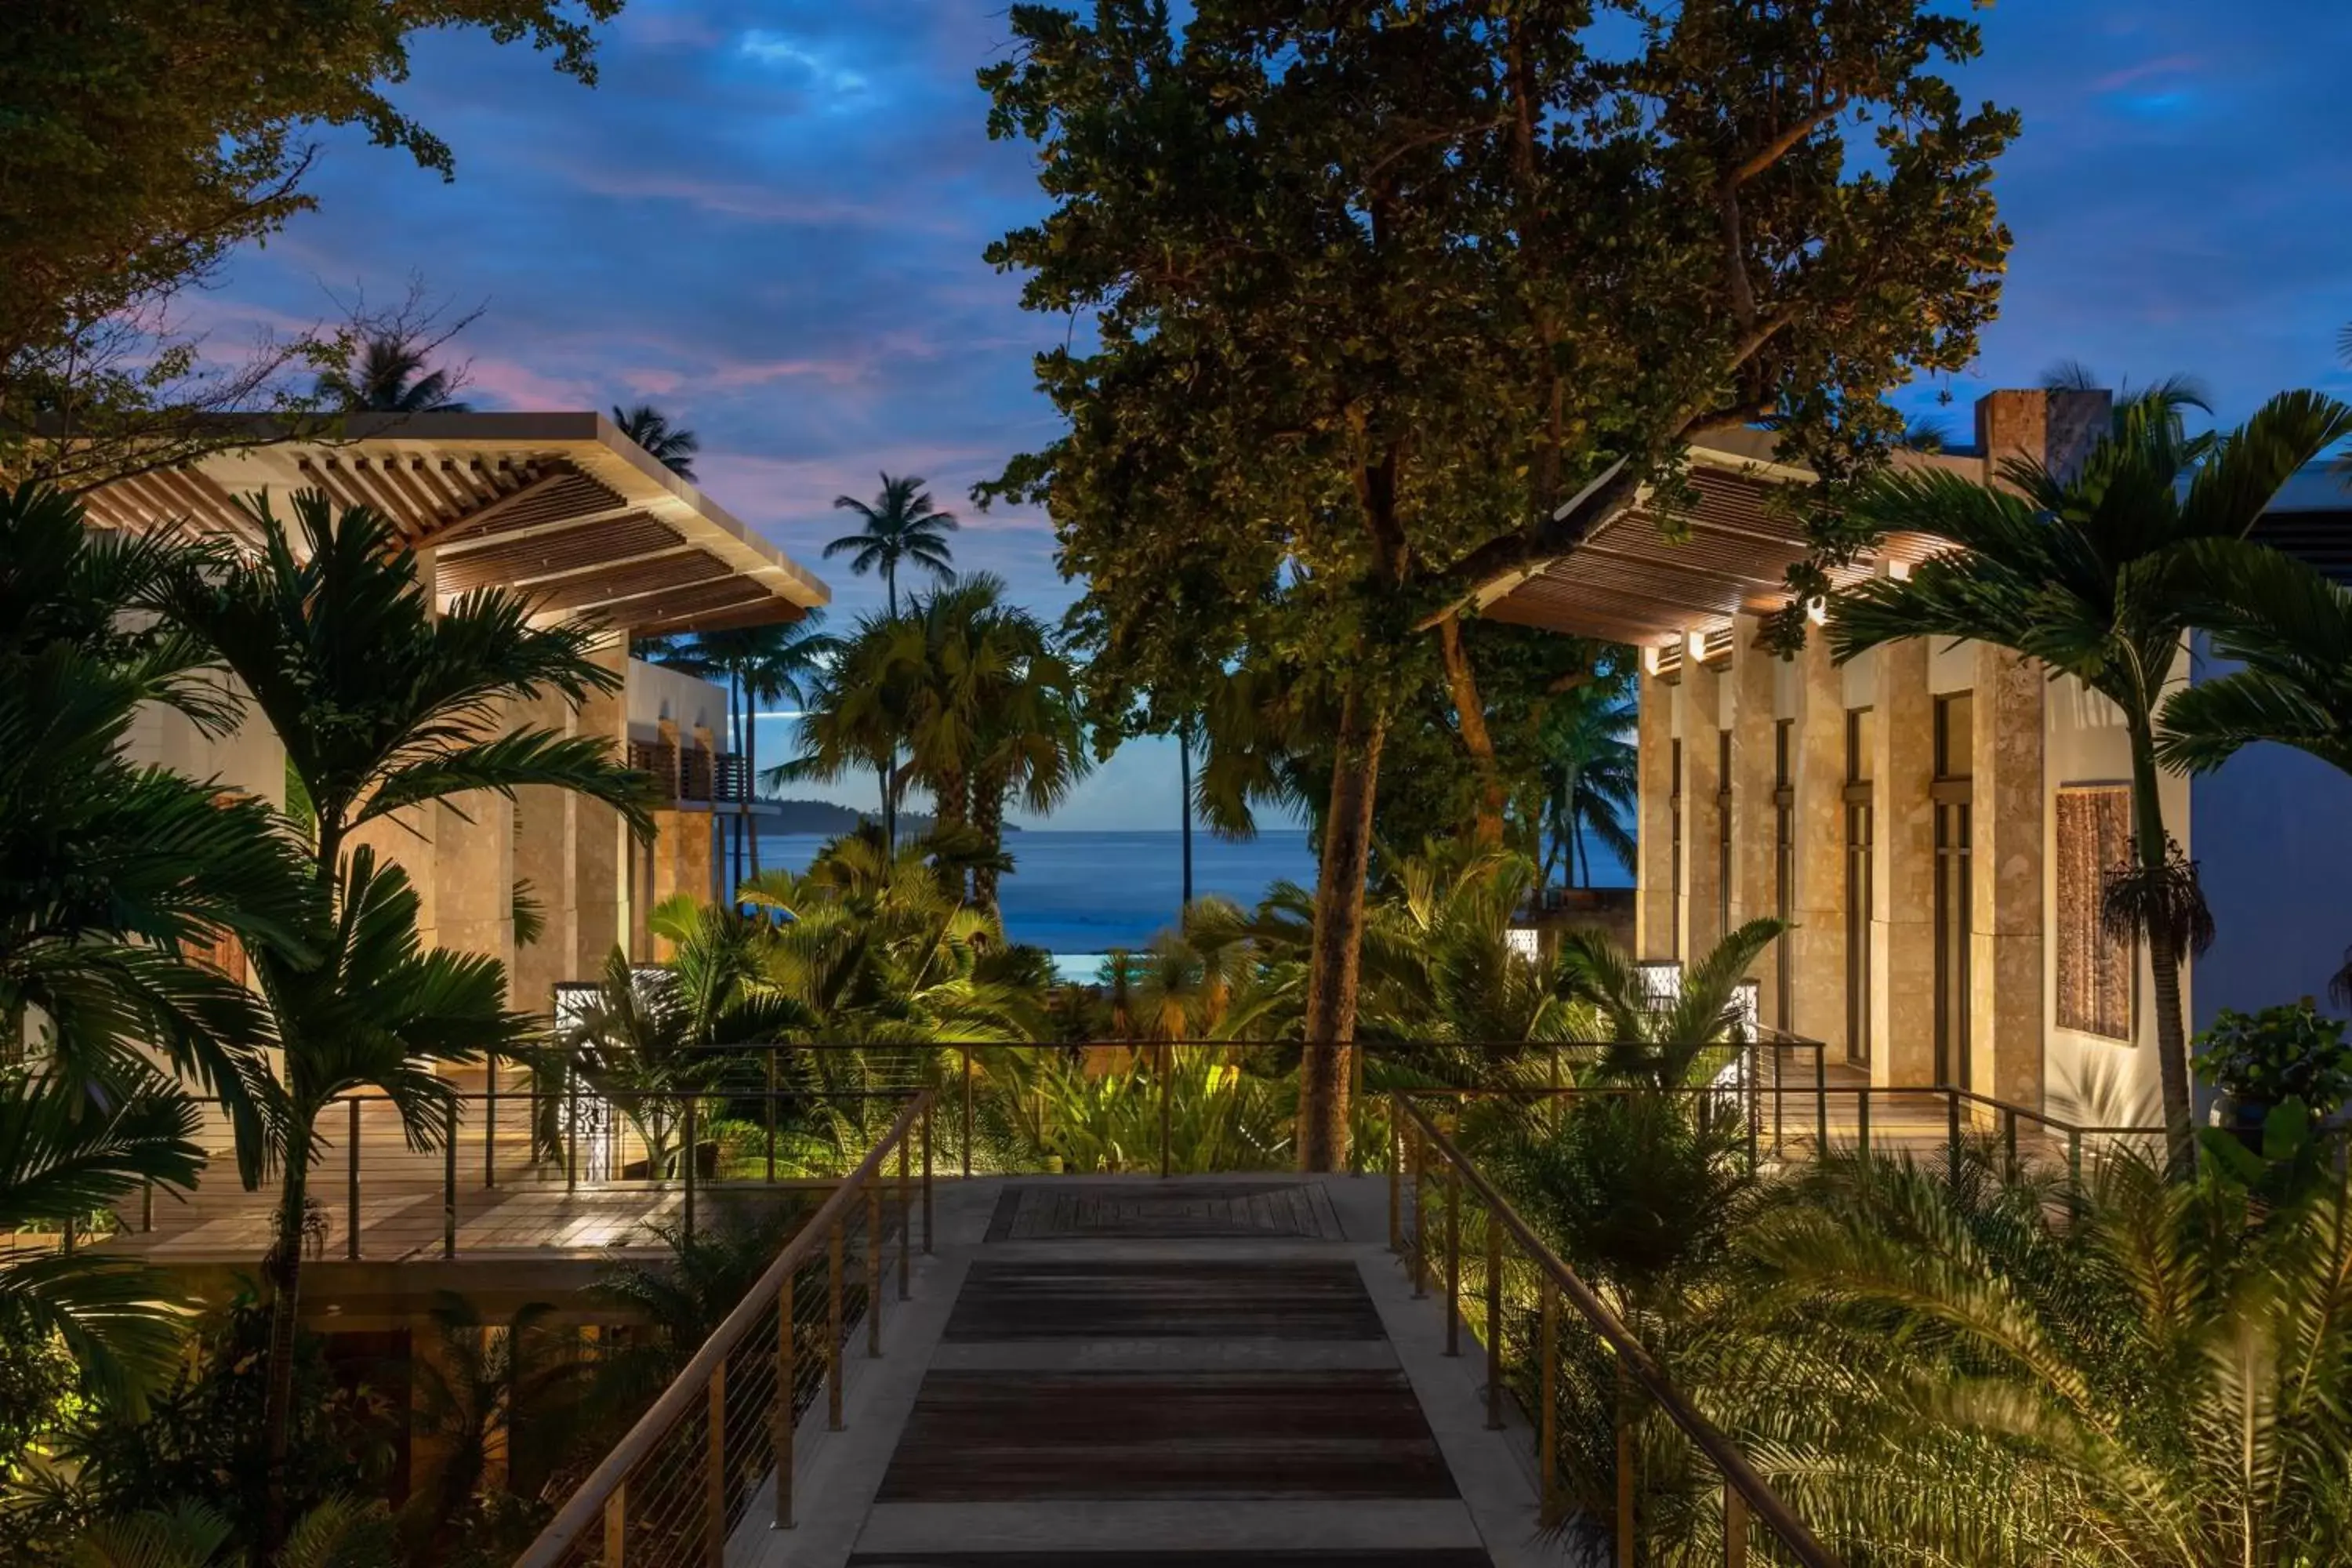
2096	575
148	139
1385	303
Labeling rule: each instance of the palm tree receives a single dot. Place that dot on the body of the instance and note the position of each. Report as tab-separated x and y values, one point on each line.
760	664
671	446
381	705
1598	775
1656	1038
1991	1370
63	1157
2290	626
901	526
2089	576
387	373
2169	400
854	712
116	872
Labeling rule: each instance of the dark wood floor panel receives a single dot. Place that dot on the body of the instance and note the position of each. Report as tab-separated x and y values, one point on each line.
985	1437
1464	1559
1067	1299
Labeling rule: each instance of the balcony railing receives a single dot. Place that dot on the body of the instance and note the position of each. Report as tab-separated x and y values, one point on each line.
691	772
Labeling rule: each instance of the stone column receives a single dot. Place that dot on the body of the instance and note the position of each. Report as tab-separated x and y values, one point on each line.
546	853
1817	900
1698	698
596	918
1903	870
1748	698
2005	879
1653	873
474	870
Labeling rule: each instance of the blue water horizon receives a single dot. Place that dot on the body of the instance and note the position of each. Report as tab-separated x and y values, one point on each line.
1081	893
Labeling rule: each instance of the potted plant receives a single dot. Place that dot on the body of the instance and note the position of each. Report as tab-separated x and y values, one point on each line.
2261	1060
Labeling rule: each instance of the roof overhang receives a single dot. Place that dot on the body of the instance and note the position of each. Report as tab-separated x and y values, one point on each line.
559	507
1630	579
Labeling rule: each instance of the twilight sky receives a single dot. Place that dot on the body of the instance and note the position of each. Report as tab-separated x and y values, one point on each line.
767	217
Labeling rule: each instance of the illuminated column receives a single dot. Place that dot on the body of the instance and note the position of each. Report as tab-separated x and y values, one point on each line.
597	916
1654	876
1697	704
1902	868
1817	902
1747	705
2005	879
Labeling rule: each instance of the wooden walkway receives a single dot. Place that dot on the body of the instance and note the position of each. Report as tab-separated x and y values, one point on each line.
1206	1372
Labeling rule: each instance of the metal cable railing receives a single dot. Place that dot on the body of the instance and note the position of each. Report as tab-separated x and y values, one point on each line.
719	1445
1597	1407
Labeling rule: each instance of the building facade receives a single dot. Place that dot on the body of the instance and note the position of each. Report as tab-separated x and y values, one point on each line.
1935	820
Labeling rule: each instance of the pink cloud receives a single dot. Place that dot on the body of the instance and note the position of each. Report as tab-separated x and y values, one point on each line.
2166	65
754	202
519	386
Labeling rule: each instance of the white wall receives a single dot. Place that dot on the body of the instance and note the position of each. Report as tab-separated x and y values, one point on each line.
657	692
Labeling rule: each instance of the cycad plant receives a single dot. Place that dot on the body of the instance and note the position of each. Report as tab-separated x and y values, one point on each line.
1963	1367
2289	628
2091	576
382	705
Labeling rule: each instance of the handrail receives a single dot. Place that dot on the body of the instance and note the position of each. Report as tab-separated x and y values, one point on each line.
1729	1461
587	1504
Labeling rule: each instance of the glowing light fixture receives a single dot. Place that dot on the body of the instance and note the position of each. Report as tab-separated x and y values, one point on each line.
1696	643
1817	611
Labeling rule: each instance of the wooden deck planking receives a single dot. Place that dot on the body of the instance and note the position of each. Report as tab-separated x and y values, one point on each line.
1006	1301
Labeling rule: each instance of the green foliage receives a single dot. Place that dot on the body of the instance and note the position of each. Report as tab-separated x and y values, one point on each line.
388	373
671	446
901	526
2282	1053
143	143
2099	576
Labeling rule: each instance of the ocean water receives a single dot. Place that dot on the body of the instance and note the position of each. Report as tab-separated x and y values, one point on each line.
1084	893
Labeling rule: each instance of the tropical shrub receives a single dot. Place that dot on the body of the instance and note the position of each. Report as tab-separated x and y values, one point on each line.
2276	1055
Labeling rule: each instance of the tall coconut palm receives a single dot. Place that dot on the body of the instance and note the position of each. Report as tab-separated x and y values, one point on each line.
388	373
671	446
382	706
760	664
854	712
900	527
1594	775
2290	626
2088	574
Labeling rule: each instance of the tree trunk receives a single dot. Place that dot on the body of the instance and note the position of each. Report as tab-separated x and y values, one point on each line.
2150	843
1184	812
951	809
283	1268
1470	714
988	817
1326	1065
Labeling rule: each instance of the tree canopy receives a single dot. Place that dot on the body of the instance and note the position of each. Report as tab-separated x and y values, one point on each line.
1389	300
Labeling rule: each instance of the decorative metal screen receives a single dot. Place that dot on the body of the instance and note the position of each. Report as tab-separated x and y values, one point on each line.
2095	968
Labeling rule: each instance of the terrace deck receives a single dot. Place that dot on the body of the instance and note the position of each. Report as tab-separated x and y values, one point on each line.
1127	1373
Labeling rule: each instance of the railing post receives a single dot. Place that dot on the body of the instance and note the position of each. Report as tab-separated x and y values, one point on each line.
1453	1258
490	1124
449	1186
833	1327
147	1204
1420	1215
1952	1135
2075	1160
572	1128
1750	1107
1861	1119
693	1159
617	1527
351	1186
873	1270
2009	1140
1494	1322
906	1221
771	1114
714	1493
1822	1099
780	1418
1624	1424
1780	1097
1734	1528
967	1131
1548	1418
1396	1181
1166	1107
927	1175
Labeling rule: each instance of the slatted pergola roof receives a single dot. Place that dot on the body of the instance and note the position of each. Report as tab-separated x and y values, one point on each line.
561	507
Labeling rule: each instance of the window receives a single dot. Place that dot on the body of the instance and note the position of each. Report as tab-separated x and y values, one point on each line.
1723	833
1954	848
1860	731
2096	969
1675	811
1784	868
